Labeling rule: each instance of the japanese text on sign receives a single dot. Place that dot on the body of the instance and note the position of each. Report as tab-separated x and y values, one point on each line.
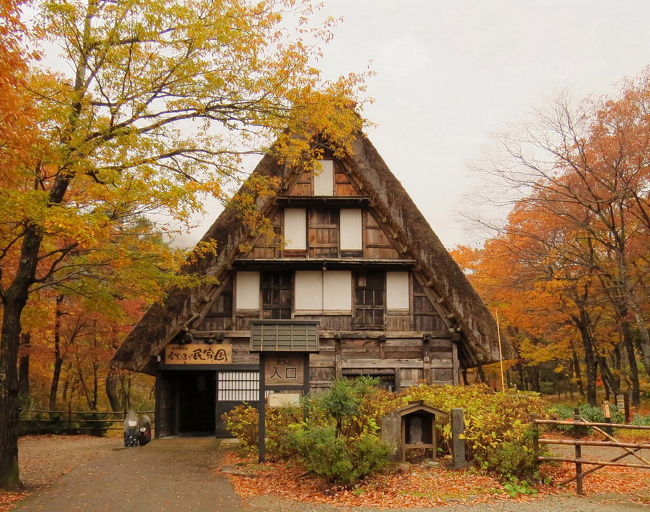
283	370
196	353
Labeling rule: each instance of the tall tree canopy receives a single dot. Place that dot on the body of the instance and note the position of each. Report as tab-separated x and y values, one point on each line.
575	245
159	102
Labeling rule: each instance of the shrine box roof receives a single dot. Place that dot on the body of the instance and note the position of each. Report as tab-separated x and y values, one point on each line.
419	406
284	336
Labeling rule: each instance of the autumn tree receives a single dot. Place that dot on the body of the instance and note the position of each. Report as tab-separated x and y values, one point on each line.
163	100
579	179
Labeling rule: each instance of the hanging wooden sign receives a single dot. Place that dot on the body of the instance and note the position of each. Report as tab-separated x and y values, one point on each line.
284	369
198	353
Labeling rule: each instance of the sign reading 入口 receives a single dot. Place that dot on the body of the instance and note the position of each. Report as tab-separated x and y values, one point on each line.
198	353
284	369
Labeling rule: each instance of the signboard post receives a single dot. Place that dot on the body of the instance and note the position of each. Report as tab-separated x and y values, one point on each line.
284	347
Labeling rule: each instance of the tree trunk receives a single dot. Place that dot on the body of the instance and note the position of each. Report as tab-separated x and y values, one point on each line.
112	381
58	357
644	337
23	365
612	382
13	304
481	374
590	358
577	370
9	477
628	339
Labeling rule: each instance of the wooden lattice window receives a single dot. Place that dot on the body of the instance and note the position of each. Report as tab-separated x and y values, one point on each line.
277	293
219	316
425	315
324	233
369	300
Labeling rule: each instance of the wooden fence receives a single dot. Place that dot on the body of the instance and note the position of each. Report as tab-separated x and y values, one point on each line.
606	430
82	421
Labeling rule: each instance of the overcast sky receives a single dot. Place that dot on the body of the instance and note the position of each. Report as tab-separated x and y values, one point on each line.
451	73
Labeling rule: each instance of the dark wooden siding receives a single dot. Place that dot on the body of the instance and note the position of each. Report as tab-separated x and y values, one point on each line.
323	232
376	243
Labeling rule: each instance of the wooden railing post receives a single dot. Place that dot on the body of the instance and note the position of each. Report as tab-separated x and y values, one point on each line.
578	453
535	438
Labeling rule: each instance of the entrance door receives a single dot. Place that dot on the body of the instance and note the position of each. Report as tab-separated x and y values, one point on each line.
196	395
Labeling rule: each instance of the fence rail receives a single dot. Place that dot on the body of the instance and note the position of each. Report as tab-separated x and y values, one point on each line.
631	449
68	419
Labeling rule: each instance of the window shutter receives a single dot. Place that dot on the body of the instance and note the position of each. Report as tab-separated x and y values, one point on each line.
337	290
309	290
324	178
351	229
248	290
397	290
295	228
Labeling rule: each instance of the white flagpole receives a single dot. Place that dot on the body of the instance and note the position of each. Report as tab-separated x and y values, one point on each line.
503	381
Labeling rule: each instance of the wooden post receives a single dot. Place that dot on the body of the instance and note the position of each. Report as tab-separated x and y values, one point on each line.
458	444
338	357
261	441
69	416
402	446
578	456
535	438
608	416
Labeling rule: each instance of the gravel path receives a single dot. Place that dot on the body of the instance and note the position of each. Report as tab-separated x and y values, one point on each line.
166	475
43	459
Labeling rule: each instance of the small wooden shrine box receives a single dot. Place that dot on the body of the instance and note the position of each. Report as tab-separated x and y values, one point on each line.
412	427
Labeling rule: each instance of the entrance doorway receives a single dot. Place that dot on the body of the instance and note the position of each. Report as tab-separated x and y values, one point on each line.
196	398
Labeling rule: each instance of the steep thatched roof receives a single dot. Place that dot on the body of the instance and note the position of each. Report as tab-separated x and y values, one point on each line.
478	332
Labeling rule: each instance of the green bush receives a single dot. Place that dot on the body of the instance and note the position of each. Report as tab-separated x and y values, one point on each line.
338	440
339	459
588	412
514	460
643	421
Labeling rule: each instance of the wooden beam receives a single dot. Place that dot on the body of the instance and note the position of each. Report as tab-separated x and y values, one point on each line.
592	424
595	443
595	462
393	363
441	335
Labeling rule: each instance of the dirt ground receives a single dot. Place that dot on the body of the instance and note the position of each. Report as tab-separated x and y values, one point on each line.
166	475
178	475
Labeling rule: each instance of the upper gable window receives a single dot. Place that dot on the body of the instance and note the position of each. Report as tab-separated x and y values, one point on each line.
397	291
351	229
247	290
324	178
295	228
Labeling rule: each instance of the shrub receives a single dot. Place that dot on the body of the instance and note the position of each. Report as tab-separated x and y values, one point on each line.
643	421
514	459
243	423
337	458
497	424
588	412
